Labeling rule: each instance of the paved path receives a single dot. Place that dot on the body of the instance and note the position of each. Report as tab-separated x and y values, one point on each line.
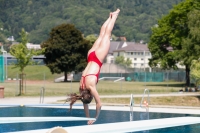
153	95
50	100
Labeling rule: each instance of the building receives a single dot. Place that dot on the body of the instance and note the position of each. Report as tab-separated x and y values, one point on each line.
33	46
29	45
137	52
114	45
11	38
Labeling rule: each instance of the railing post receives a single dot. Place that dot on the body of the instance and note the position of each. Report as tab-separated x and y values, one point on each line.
131	107
146	106
42	91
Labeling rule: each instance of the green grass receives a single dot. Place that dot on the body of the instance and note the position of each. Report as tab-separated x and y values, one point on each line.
34	72
103	87
40	76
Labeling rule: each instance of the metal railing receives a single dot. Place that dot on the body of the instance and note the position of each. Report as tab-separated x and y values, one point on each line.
42	91
145	103
131	107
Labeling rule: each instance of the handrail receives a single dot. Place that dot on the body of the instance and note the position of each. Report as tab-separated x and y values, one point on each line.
131	107
145	104
142	101
42	91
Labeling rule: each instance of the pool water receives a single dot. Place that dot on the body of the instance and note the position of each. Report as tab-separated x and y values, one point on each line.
106	116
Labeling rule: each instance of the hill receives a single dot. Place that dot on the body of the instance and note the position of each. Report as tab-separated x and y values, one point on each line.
39	17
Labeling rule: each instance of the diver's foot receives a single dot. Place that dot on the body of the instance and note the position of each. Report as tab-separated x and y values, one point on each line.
115	13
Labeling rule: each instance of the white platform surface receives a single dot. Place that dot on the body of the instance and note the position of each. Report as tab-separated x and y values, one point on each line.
4	120
129	126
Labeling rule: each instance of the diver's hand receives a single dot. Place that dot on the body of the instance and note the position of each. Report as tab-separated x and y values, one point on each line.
90	122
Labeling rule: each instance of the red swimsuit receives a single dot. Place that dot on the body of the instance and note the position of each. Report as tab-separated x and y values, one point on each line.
92	57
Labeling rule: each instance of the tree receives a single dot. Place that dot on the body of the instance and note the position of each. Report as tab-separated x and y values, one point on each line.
173	31
23	56
92	38
121	61
38	16
195	72
2	38
65	50
128	62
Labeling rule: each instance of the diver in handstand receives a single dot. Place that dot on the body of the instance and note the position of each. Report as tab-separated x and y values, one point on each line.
90	75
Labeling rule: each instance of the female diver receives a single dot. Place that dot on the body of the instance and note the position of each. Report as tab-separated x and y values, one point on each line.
90	75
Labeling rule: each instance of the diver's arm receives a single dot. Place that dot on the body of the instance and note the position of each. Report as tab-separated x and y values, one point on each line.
98	102
86	109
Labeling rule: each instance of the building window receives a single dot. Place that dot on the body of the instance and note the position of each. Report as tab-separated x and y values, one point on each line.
142	64
135	58
138	53
142	59
135	64
118	54
131	53
142	53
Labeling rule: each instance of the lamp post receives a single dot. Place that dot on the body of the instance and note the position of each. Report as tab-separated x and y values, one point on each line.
5	57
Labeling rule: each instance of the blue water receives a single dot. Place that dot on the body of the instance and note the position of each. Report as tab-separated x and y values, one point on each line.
105	117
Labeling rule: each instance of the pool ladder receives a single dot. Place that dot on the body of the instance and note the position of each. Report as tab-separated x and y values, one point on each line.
145	104
131	107
146	92
42	91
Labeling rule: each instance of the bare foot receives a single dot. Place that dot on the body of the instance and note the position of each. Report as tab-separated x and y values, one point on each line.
110	16
115	13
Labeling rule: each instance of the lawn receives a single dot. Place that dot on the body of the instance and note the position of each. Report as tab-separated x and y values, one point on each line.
40	76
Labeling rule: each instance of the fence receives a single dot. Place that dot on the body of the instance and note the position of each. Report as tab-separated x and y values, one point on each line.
149	76
141	74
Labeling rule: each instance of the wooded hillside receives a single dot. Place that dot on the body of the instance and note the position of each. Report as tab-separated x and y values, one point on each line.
38	17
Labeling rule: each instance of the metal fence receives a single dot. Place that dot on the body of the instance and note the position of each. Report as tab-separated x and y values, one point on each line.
178	76
149	76
142	74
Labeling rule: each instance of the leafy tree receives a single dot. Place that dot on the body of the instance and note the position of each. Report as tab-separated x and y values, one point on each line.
173	31
65	50
23	56
92	38
2	38
128	62
37	17
195	71
121	61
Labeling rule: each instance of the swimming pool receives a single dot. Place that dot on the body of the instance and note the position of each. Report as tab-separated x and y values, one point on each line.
106	116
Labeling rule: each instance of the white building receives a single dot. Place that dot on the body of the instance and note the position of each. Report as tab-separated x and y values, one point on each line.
33	46
137	52
114	45
11	38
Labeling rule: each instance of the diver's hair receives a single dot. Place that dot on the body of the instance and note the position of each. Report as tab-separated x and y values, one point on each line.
85	97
